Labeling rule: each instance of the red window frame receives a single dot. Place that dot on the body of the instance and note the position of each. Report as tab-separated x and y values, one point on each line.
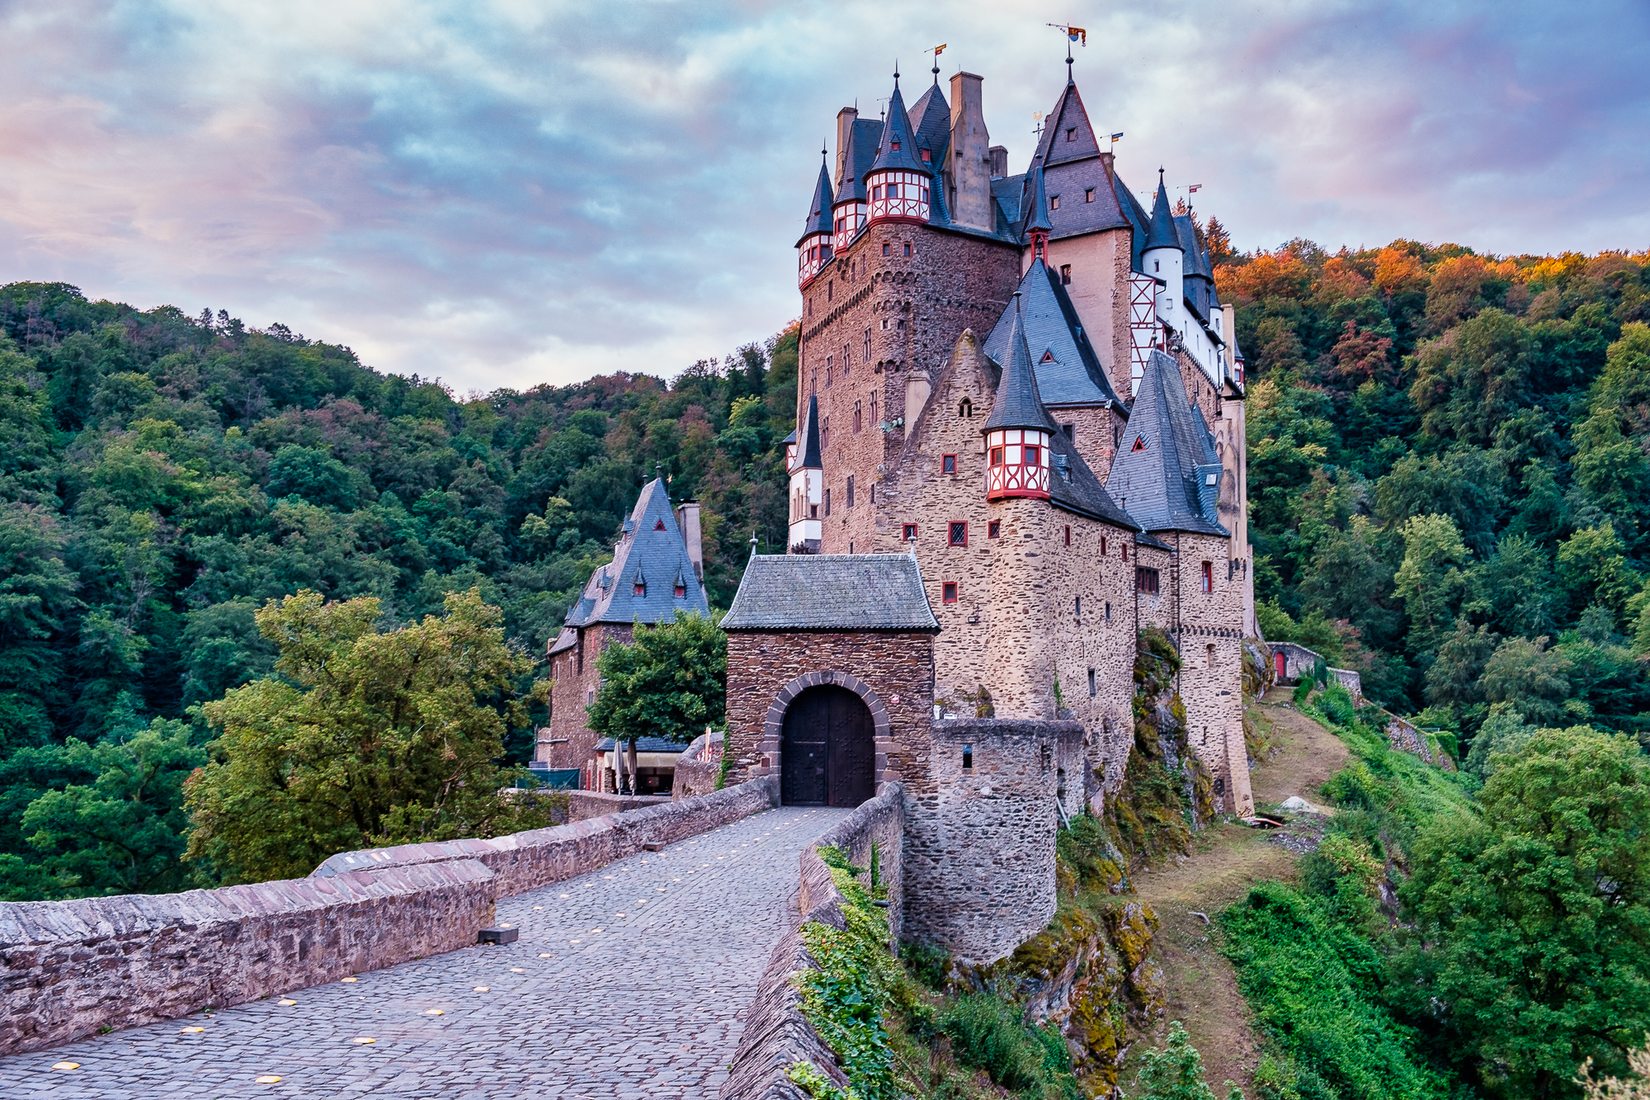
948	592
1208	577
1147	580
948	464
952	530
994	528
908	532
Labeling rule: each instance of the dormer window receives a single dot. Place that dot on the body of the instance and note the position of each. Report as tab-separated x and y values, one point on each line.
1071	133
1139	444
681	591
641	587
1054	202
1088	194
927	156
658	525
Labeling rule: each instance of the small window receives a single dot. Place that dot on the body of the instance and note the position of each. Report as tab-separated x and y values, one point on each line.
887	248
827	500
1088	194
1103	545
907	248
908	533
927	155
996	456
1139	444
1125	548
1208	577
641	588
1077	606
658	525
1054	202
1108	611
1065	274
1068	534
1146	581
993	528
681	592
968	757
1071	133
958	533
1209	655
948	464
1094	684
1070	430
850	497
1034	456
965	408
1048	356
948	592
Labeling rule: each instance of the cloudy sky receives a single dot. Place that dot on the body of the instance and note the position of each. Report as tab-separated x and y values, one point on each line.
509	192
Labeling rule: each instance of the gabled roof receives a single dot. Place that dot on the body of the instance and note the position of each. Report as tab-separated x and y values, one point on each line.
1167	473
897	146
1162	233
651	552
831	592
1068	369
819	211
1067	133
1017	404
809	456
862	151
931	123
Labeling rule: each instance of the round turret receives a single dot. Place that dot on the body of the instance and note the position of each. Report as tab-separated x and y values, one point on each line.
813	248
898	186
1018	431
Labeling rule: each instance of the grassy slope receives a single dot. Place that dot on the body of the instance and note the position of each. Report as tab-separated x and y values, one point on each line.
1224	863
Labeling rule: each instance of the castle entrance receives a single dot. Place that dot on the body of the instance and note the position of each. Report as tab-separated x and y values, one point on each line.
827	750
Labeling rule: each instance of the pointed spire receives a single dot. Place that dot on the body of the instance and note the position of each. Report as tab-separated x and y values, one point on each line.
1018	404
898	147
1037	217
808	455
1162	232
819	211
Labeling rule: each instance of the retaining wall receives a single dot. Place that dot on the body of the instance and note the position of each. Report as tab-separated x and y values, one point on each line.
699	768
71	968
776	1035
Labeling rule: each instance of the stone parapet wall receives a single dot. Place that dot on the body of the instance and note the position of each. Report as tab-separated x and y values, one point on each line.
1300	663
72	968
539	857
776	1035
584	805
979	842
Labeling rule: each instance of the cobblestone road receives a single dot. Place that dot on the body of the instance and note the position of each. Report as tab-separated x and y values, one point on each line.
630	981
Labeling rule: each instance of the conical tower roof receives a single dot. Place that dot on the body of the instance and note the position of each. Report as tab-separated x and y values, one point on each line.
819	213
1037	214
1162	233
808	454
898	148
1018	404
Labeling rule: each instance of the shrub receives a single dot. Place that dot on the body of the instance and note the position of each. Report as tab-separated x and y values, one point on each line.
986	1033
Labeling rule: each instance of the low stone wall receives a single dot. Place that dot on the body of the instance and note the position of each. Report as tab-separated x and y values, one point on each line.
539	857
1405	737
699	768
776	1035
1299	664
71	968
584	805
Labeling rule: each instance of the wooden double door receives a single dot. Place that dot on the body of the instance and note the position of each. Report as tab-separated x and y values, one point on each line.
827	752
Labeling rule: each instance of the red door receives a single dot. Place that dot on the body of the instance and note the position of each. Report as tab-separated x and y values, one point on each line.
1278	663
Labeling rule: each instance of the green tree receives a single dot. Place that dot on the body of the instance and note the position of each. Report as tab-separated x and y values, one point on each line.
1174	1071
1430	581
364	736
1532	941
1525	675
668	681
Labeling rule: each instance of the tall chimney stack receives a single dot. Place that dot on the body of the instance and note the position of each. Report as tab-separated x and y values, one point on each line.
999	162
687	518
844	126
970	155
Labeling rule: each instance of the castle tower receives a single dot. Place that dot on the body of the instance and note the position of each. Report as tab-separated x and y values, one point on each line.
899	185
1018	429
807	484
814	246
1164	258
857	153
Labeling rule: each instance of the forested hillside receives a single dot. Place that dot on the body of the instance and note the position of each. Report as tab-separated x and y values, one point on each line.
1449	476
163	476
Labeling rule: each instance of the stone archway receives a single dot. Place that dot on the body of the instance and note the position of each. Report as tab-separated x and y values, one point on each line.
830	732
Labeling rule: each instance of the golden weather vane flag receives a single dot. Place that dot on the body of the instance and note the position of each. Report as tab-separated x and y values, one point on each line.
1073	34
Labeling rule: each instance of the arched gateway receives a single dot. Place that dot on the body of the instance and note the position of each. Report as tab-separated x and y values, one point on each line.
827	750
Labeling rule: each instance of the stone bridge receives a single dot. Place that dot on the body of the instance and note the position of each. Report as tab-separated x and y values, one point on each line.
632	980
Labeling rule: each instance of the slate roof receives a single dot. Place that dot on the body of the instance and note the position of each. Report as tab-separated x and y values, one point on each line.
831	592
819	212
1068	114
1074	375
646	744
652	551
931	122
863	136
1165	483
808	455
1037	212
897	146
1073	486
1017	403
1006	190
1162	233
1199	274
1137	218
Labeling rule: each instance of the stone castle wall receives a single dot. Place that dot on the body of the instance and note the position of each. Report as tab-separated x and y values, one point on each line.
979	843
1210	638
1099	288
913	307
574	682
894	672
71	968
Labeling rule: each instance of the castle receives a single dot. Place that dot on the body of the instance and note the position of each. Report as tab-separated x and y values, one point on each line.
1019	442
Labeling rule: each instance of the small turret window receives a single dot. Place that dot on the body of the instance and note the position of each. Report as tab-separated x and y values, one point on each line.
1054	202
996	456
1088	194
1034	456
641	587
681	591
658	525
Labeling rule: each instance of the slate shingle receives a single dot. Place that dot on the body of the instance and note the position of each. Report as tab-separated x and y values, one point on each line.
831	592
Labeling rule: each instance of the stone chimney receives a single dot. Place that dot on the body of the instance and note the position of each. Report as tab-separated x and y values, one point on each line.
687	518
999	162
970	155
844	126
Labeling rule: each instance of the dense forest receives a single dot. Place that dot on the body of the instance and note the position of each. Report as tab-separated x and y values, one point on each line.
1449	476
165	476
